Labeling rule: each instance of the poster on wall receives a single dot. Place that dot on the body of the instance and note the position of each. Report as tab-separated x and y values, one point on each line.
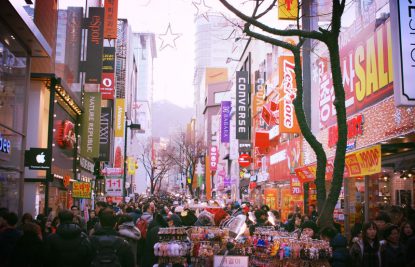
367	67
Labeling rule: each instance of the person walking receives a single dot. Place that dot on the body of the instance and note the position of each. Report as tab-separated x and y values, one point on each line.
8	237
127	230
28	251
393	252
365	252
69	246
109	249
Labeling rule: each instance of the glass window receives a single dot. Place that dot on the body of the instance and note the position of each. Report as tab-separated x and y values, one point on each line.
13	79
9	188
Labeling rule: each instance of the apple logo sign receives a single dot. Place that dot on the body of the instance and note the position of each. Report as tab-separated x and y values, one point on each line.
40	158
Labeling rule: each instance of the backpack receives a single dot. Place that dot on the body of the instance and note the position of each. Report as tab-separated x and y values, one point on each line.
106	250
142	226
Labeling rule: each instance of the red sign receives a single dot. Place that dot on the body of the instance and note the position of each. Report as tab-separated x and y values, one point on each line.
244	160
354	128
287	93
284	159
107	86
296	186
214	158
366	61
66	180
111	17
65	134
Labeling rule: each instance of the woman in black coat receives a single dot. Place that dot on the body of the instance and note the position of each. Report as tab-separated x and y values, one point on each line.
149	259
28	251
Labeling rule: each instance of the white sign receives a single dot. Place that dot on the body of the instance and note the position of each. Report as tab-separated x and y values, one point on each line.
274	132
113	187
403	49
278	157
230	261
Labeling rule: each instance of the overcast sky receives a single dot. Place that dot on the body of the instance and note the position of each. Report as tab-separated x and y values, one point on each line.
174	68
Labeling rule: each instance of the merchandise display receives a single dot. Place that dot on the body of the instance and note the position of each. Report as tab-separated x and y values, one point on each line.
173	246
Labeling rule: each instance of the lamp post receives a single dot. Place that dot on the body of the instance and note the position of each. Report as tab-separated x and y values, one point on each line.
132	126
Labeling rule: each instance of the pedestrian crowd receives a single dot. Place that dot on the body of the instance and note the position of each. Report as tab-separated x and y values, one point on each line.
125	234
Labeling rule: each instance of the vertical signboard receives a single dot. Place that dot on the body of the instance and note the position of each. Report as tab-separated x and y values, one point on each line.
402	14
288	9
287	93
225	121
107	87
111	16
93	64
91	125
104	134
119	117
214	158
242	106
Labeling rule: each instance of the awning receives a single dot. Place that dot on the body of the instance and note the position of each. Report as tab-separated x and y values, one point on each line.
359	163
23	29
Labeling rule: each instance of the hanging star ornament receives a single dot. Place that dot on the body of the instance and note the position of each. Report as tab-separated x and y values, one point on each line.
169	38
202	9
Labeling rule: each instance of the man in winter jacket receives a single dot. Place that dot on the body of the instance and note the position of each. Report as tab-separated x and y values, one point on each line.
108	236
69	246
8	237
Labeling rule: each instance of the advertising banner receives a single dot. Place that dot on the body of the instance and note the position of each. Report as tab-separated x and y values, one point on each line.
357	164
243	121
287	93
367	70
214	158
287	9
402	13
119	117
95	42
81	190
225	108
91	125
113	187
105	134
107	86
284	159
111	17
258	99
131	163
108	60
296	186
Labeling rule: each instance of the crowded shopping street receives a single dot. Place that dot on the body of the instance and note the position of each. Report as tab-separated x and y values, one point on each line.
207	133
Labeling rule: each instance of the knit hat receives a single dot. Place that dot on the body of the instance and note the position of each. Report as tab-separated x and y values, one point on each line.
309	224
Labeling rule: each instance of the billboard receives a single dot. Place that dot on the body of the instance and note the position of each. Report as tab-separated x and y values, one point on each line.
111	17
243	120
91	125
367	70
93	63
225	108
105	134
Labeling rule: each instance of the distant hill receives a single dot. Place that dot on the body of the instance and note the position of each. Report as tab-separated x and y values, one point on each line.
168	116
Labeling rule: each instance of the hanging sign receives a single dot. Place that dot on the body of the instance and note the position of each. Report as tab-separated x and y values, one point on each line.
113	187
244	160
214	158
91	125
243	121
81	190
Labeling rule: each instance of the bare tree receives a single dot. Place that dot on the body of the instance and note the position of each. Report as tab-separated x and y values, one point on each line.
330	37
155	163
186	153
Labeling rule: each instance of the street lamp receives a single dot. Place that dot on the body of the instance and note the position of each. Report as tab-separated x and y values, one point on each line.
132	126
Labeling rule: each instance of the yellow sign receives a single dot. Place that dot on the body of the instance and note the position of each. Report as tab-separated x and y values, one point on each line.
367	161
119	117
81	190
132	165
288	9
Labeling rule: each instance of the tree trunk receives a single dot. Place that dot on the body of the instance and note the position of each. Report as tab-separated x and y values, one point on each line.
307	133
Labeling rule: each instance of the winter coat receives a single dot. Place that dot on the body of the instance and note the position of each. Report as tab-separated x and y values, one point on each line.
147	217
410	255
129	232
69	246
364	257
152	238
393	256
124	252
8	240
28	251
341	256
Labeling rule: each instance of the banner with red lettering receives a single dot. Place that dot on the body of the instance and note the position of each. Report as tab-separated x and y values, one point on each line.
296	186
367	69
287	93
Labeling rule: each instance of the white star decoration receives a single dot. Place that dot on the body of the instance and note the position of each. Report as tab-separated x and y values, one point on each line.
202	9
169	38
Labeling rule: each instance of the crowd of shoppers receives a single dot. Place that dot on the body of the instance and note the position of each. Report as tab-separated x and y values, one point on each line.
125	234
